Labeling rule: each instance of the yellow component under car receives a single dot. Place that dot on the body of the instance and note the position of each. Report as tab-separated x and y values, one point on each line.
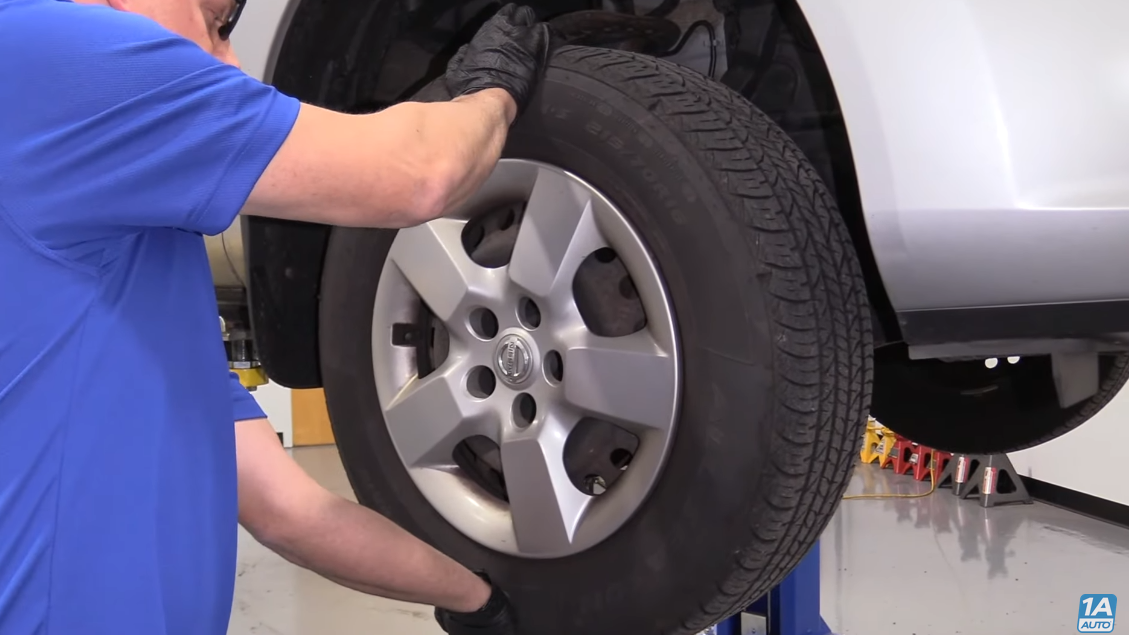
251	377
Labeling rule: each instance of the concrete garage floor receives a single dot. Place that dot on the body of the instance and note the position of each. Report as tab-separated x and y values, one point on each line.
928	566
939	565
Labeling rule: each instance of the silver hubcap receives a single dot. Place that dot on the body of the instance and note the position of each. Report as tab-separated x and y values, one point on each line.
524	372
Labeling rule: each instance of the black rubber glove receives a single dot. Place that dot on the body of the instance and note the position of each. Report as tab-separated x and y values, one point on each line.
509	52
496	618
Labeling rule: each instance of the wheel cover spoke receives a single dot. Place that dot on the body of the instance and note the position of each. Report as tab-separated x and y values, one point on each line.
558	231
430	416
432	258
546	507
626	380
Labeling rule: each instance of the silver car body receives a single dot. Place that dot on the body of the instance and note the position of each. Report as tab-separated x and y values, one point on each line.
990	139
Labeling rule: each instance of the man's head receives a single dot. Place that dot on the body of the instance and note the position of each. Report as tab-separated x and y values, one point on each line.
205	22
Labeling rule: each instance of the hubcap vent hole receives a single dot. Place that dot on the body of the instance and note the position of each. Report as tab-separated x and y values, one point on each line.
554	367
480	459
525	410
597	453
621	458
481	382
489	238
528	313
606	296
484	324
428	336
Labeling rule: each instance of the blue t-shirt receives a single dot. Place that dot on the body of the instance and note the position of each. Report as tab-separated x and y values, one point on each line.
121	145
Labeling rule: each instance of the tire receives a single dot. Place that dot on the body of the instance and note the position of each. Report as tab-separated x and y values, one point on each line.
968	408
771	313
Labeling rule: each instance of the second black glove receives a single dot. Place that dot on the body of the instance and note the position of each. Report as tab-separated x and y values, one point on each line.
509	52
496	618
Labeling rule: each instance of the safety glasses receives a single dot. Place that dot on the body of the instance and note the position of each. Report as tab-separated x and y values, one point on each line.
229	25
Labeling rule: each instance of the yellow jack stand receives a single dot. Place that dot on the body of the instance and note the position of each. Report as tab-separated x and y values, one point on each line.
871	442
887	448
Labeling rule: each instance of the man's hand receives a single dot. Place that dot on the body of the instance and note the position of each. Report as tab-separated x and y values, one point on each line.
495	618
509	52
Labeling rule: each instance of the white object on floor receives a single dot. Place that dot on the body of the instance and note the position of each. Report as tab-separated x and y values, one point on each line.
275	401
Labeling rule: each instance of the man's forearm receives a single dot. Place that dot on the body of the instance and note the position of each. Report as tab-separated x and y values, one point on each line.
289	512
479	147
405	165
447	148
358	548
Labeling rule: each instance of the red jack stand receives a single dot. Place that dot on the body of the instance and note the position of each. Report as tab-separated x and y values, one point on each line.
905	455
934	461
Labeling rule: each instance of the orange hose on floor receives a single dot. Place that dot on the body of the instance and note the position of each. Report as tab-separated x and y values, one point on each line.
932	488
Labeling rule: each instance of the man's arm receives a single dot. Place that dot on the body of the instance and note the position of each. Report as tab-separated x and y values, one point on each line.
176	138
405	165
290	513
412	162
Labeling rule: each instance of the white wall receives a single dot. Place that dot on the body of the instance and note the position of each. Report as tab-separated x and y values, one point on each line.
275	401
1092	458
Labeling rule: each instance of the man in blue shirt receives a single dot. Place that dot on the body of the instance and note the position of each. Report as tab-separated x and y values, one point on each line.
126	133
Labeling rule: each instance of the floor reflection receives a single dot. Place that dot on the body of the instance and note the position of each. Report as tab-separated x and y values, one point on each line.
938	564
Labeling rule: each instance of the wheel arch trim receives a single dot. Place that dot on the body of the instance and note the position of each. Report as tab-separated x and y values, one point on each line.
285	47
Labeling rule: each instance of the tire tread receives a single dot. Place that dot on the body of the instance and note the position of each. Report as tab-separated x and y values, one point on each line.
818	306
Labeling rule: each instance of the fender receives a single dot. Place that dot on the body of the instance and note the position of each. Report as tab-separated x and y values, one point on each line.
988	140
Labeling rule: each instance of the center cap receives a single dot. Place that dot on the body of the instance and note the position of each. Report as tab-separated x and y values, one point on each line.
514	359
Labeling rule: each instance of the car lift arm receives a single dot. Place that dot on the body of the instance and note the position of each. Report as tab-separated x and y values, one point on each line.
791	608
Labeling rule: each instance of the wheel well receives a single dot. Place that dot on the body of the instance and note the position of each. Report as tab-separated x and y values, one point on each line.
327	58
994	405
315	64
